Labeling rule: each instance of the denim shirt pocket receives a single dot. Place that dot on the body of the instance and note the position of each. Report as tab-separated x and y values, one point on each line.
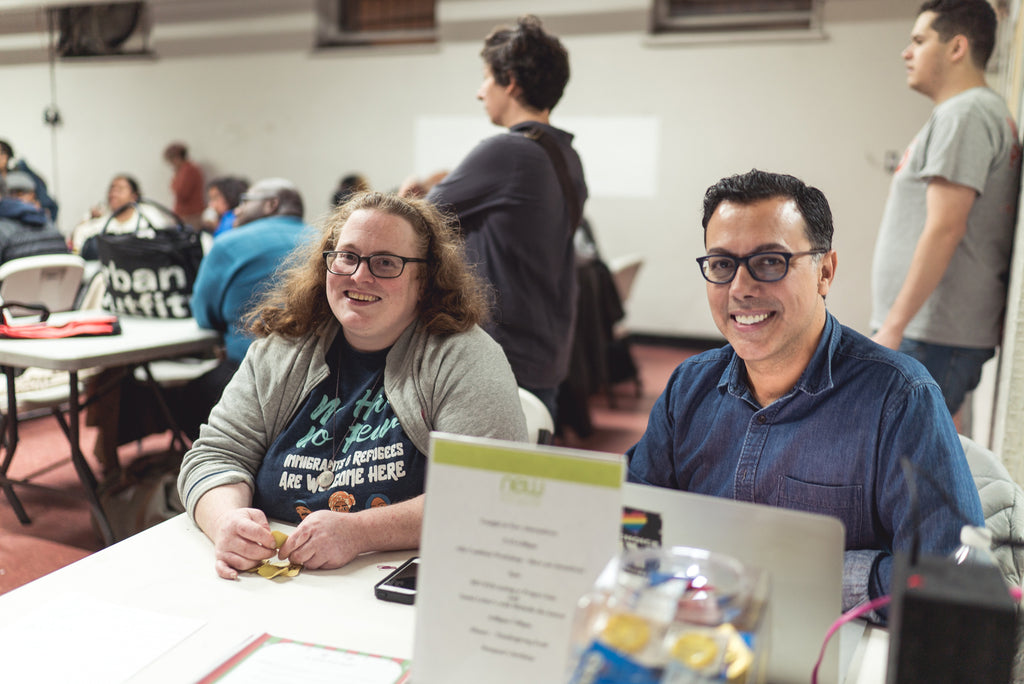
840	501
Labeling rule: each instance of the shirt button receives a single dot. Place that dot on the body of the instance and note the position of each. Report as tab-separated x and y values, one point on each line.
762	420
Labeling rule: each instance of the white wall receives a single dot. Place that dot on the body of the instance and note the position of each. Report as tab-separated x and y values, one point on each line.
265	105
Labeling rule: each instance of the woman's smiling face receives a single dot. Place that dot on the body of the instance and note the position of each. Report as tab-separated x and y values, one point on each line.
374	311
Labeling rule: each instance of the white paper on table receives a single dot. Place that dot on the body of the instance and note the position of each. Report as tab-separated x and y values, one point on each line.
83	639
513	536
282	660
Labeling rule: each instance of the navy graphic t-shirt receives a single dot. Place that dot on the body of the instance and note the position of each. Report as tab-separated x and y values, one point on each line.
344	450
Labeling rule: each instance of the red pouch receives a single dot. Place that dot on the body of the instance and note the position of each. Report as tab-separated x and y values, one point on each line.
97	324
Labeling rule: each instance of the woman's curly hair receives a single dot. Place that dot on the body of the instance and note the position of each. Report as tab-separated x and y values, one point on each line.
452	297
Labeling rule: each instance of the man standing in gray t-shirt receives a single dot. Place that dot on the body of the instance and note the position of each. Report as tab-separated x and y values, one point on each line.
942	258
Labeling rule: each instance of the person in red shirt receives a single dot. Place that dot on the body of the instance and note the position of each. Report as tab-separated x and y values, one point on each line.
187	184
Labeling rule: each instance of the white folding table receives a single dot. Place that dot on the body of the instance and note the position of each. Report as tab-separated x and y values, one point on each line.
168	570
141	340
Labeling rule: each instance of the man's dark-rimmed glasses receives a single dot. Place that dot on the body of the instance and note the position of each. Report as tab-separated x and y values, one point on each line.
381	265
766	267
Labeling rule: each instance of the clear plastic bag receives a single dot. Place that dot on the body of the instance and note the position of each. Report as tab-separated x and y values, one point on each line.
671	616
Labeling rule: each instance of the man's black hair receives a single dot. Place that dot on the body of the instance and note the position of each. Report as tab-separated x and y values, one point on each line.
536	59
974	19
755	185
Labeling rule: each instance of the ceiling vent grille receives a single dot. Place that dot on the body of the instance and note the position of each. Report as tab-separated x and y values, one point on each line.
342	23
102	30
697	17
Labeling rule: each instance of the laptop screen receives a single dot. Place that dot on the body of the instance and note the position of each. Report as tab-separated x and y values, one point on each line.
801	552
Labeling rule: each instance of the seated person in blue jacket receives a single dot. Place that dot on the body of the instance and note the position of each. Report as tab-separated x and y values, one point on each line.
368	341
25	229
9	163
268	225
798	410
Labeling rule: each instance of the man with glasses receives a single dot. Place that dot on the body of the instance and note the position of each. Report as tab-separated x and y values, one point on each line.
268	226
942	259
799	411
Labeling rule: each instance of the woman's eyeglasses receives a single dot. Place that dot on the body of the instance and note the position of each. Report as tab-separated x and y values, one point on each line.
381	265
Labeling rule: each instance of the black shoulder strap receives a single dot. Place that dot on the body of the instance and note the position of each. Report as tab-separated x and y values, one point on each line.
558	160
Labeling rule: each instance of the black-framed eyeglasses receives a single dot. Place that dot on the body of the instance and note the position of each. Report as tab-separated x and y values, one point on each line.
381	265
766	267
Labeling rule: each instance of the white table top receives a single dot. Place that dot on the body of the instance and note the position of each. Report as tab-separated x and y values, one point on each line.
141	340
871	658
168	569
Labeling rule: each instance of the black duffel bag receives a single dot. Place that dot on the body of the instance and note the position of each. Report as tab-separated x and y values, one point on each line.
150	271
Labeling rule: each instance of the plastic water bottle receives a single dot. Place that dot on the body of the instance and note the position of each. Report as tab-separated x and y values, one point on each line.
975	546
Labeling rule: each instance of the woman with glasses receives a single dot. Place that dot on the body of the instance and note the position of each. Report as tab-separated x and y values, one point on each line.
367	343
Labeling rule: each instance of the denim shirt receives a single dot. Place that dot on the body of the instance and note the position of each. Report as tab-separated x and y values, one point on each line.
832	445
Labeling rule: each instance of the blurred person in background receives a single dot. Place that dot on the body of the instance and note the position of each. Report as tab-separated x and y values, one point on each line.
121	213
187	185
348	186
9	163
519	197
25	229
223	195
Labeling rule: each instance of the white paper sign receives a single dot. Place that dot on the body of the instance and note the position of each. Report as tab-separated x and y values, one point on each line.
513	536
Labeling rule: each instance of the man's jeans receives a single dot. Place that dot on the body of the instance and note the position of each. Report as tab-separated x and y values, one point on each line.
957	370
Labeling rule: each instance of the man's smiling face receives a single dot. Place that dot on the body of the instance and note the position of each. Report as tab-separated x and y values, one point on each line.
774	327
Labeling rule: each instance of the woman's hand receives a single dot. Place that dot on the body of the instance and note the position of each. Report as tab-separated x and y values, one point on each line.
241	539
328	539
241	535
324	540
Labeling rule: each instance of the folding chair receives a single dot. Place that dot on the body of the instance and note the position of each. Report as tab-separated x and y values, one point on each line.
539	424
49	279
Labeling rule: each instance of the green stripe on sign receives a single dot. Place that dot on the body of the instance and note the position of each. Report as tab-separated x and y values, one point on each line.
529	462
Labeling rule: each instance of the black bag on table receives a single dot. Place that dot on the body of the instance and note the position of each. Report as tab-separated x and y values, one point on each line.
150	271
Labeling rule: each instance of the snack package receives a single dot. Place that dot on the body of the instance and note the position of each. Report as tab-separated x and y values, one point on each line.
670	616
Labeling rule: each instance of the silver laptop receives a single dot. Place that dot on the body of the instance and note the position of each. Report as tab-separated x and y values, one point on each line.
802	552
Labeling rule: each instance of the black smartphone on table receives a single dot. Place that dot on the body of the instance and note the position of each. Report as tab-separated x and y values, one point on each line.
400	585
